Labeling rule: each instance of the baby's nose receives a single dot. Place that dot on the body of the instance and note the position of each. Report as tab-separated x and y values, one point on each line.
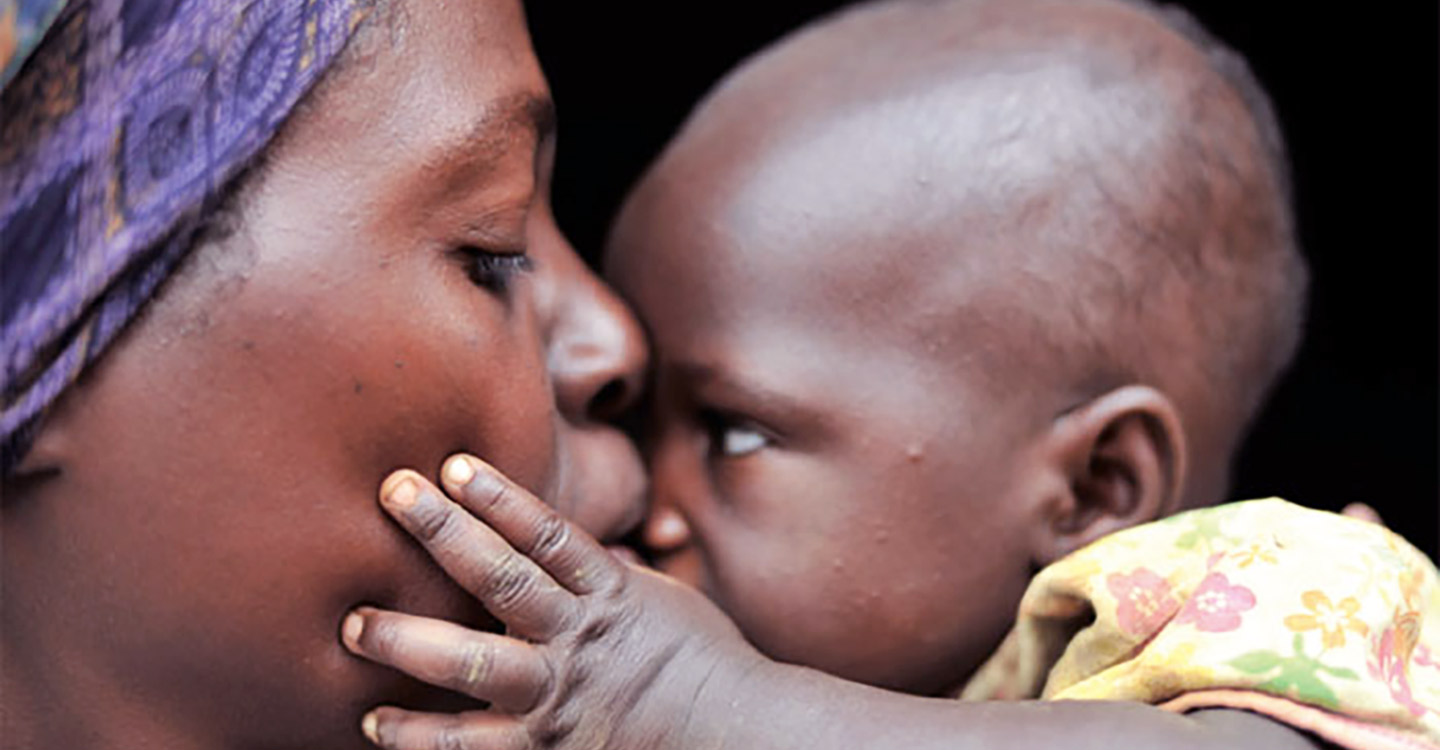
665	530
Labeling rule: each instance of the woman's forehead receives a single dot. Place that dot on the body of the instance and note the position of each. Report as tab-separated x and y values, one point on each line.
437	93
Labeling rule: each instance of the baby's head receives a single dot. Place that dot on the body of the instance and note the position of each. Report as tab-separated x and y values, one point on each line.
939	292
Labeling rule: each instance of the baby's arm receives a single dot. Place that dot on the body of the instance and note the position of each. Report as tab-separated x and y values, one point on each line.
600	654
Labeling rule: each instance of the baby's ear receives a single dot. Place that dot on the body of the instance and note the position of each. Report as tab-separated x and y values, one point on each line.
1123	456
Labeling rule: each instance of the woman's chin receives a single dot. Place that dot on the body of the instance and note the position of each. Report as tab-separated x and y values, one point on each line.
382	685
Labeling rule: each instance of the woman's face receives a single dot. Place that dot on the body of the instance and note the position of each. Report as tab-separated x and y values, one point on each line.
211	515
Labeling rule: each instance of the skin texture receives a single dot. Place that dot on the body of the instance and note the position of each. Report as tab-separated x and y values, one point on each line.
198	514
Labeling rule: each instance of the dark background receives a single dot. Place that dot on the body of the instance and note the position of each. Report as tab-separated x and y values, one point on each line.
1356	88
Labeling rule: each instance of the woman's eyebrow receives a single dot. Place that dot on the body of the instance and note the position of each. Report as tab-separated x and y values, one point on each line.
535	111
496	129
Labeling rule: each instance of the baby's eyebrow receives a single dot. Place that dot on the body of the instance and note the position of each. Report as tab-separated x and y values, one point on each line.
718	383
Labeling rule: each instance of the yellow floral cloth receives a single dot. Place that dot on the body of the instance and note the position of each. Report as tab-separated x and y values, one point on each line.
1324	622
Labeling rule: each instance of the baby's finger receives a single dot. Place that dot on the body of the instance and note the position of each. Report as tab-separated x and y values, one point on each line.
398	729
508	583
509	674
573	557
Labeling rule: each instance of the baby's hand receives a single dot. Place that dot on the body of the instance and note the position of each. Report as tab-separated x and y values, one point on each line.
597	653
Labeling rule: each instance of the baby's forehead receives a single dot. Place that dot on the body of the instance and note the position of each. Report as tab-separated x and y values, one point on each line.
965	149
923	244
869	250
912	181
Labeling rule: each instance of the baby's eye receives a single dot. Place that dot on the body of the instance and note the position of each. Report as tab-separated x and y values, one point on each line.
742	441
494	271
733	437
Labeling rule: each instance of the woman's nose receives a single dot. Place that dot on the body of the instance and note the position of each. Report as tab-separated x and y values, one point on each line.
597	350
595	356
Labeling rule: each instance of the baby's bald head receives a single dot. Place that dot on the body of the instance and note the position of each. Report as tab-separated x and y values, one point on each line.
940	291
1098	183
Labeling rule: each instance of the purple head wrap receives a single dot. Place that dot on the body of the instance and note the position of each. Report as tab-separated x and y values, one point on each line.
118	135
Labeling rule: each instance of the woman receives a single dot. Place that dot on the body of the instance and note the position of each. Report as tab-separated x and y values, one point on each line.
353	198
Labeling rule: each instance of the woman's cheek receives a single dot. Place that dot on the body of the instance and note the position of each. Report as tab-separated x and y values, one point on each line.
508	416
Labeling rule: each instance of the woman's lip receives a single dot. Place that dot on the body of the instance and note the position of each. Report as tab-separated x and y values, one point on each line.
625	554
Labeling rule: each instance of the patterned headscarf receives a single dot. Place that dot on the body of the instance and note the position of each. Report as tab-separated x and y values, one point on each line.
121	123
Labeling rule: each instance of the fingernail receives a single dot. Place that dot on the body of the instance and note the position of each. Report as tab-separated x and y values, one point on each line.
352	629
402	494
459	471
370	725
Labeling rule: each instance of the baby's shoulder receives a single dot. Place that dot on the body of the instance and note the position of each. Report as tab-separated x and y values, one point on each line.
1270	532
1264	605
1258	561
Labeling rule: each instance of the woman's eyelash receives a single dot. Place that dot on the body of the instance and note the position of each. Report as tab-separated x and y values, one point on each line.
495	271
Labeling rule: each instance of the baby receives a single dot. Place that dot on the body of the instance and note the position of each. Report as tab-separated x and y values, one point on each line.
940	293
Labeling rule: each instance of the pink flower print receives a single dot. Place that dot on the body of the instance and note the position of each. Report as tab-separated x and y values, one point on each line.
1143	600
1216	605
1390	665
1423	657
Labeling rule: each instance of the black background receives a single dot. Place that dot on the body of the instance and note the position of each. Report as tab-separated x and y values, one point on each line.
1356	89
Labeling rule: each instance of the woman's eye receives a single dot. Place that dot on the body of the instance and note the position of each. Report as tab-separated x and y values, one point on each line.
495	271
